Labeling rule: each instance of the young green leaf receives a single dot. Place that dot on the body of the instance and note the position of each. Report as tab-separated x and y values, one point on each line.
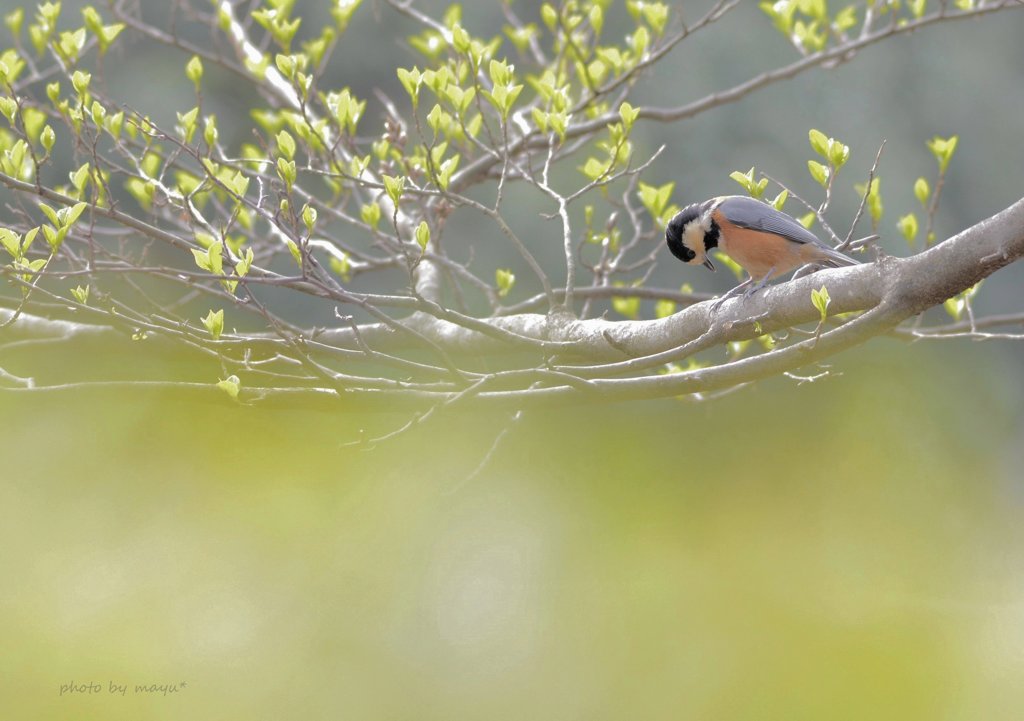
13	20
54	238
845	19
549	15
781	15
11	242
286	64
767	341
594	169
342	12
8	106
194	71
30	235
819	172
50	214
655	198
819	142
820	300
838	153
395	186
115	123
230	385
211	260
245	263
79	177
943	149
309	216
746	180
286	144
459	98
444	173
286	171
500	72
597	71
436	118
80	81
628	306
461	39
737	348
921	191
521	36
214	323
504	279
627	112
907	225
341	265
956	305
81	294
47	138
596	17
829	148
411	80
68	216
187	123
370	213
422	235
664	308
559	123
754	188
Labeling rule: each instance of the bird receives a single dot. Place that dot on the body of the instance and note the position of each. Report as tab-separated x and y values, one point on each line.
764	241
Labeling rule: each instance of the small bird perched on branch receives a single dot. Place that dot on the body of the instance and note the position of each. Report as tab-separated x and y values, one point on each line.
764	241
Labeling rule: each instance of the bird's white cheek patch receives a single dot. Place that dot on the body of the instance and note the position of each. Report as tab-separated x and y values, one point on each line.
693	238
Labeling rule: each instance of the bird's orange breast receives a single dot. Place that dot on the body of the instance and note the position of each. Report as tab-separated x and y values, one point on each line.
760	253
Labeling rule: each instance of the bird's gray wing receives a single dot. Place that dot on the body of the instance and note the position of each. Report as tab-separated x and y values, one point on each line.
755	215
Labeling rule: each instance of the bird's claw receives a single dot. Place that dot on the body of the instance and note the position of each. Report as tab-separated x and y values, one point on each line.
748	288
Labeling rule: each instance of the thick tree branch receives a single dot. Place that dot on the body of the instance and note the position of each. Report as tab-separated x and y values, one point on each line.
891	290
429	327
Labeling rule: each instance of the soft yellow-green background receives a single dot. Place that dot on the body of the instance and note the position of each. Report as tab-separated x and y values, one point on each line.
848	549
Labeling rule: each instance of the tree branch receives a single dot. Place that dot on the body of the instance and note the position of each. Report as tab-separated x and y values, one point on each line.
890	290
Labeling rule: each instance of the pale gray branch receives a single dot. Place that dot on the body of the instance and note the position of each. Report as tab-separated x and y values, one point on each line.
890	290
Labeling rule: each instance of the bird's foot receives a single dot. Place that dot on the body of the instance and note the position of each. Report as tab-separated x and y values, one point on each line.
730	294
747	288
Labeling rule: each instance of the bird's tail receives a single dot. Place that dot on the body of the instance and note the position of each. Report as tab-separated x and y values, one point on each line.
837	260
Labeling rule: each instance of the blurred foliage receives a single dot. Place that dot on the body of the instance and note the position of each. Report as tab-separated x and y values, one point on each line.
845	550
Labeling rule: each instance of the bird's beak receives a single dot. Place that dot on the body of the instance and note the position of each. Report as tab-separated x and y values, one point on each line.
708	264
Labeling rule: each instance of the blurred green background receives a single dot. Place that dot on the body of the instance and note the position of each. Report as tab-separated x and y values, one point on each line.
845	549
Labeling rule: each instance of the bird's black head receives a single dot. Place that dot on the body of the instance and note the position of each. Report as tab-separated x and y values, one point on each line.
692	232
675	230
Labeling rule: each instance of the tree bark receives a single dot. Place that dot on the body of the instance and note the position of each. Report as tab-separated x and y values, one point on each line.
601	360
